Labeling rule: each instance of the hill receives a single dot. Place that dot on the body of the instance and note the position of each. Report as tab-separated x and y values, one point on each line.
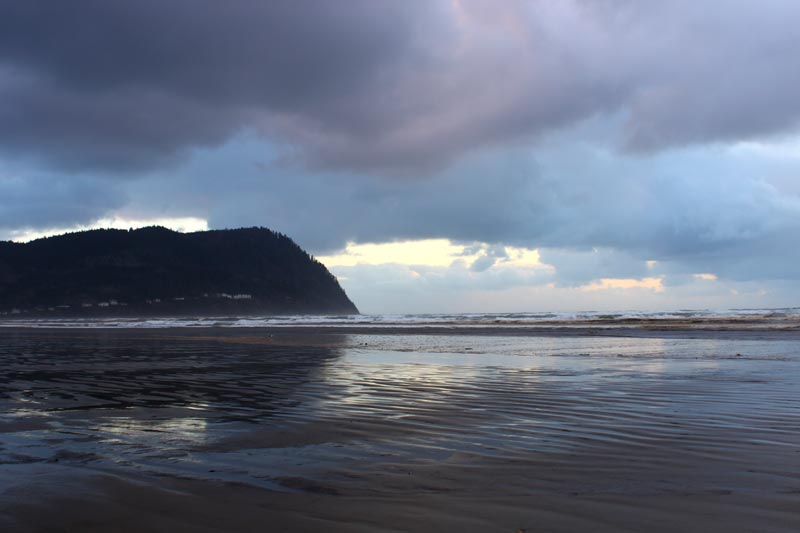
158	272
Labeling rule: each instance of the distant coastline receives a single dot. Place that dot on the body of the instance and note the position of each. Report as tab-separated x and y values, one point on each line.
156	272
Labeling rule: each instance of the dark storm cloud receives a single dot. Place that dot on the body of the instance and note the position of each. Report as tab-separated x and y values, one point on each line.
726	70
380	85
119	84
41	201
280	51
76	131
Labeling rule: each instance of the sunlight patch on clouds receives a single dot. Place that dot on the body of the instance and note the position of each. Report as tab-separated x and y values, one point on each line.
706	276
182	224
654	284
433	252
524	257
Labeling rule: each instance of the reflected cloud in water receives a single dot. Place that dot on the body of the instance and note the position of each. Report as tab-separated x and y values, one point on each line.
253	407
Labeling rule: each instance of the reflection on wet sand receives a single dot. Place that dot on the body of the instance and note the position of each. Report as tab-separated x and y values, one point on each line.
362	432
141	400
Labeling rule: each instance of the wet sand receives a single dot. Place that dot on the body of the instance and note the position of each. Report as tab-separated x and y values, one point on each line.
416	430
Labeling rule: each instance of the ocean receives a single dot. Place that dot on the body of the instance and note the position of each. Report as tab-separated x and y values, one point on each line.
777	318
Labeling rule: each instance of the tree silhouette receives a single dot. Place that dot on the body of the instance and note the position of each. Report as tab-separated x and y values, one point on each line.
156	271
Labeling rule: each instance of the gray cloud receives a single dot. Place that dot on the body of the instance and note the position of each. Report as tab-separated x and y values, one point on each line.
378	85
119	85
692	213
488	257
41	201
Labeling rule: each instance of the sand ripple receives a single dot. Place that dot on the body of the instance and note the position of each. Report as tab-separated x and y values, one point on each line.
363	416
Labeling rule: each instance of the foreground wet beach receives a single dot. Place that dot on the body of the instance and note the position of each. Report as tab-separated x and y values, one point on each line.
282	429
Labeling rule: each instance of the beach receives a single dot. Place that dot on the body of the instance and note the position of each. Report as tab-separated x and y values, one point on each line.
666	426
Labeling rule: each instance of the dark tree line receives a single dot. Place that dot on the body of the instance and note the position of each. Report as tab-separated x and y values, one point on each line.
184	273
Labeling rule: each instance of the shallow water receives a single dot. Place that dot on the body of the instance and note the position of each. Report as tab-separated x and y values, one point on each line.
154	403
354	414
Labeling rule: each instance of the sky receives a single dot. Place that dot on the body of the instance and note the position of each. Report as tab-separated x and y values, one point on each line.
436	155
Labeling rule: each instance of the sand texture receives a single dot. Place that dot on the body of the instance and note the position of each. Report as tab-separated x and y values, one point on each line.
214	429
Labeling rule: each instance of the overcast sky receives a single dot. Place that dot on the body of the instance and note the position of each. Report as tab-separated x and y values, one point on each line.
437	155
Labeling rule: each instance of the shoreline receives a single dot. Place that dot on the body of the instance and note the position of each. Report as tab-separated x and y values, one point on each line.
674	330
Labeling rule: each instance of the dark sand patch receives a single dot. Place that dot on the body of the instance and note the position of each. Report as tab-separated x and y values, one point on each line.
115	504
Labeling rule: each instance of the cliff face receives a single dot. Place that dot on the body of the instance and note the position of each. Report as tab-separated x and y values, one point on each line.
155	271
